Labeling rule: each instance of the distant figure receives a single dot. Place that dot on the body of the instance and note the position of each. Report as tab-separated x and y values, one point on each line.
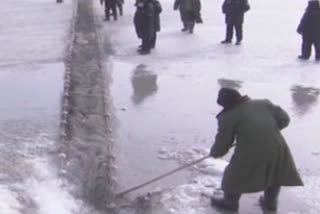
110	5
120	6
261	160
234	11
309	28
189	13
144	24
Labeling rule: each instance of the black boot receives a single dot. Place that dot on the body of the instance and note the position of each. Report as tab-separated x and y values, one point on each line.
228	202
270	199
238	42
226	41
267	205
303	57
185	28
144	51
191	27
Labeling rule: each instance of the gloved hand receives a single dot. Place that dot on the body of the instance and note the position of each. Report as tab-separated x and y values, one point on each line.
175	6
199	20
101	2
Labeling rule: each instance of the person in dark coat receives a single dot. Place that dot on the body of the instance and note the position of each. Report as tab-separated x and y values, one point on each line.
110	5
189	13
234	11
262	160
157	26
309	28
144	24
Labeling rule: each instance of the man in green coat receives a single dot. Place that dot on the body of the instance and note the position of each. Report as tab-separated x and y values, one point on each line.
262	160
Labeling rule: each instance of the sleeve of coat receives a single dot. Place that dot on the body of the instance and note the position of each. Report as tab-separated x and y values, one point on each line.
198	6
176	4
158	7
224	138
197	11
224	7
281	116
302	24
246	6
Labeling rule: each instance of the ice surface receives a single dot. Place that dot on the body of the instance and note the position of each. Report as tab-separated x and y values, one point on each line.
33	30
33	37
190	70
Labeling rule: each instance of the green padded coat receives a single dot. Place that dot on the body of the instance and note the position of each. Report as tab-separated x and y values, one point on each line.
261	156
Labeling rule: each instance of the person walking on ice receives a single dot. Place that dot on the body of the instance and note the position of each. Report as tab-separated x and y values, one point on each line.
234	11
309	28
262	160
189	13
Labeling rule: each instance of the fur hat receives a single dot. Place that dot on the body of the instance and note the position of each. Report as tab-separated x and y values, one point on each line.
227	97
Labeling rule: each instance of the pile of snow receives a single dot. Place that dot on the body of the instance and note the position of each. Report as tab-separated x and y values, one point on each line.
309	194
8	201
194	196
48	192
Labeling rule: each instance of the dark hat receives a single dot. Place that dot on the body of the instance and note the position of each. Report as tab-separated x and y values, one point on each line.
227	97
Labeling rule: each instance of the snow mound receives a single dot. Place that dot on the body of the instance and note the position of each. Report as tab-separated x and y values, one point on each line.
208	166
9	203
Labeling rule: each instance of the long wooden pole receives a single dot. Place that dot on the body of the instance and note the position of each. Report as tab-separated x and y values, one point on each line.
161	176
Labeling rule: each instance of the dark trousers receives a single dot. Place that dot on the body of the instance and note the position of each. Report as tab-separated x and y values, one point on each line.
188	20
120	7
238	28
146	44
113	8
232	197
270	195
153	40
307	45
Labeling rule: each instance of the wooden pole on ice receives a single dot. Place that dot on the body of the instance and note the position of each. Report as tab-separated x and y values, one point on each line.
161	176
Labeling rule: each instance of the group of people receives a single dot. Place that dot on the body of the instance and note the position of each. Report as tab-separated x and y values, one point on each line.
147	21
262	160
